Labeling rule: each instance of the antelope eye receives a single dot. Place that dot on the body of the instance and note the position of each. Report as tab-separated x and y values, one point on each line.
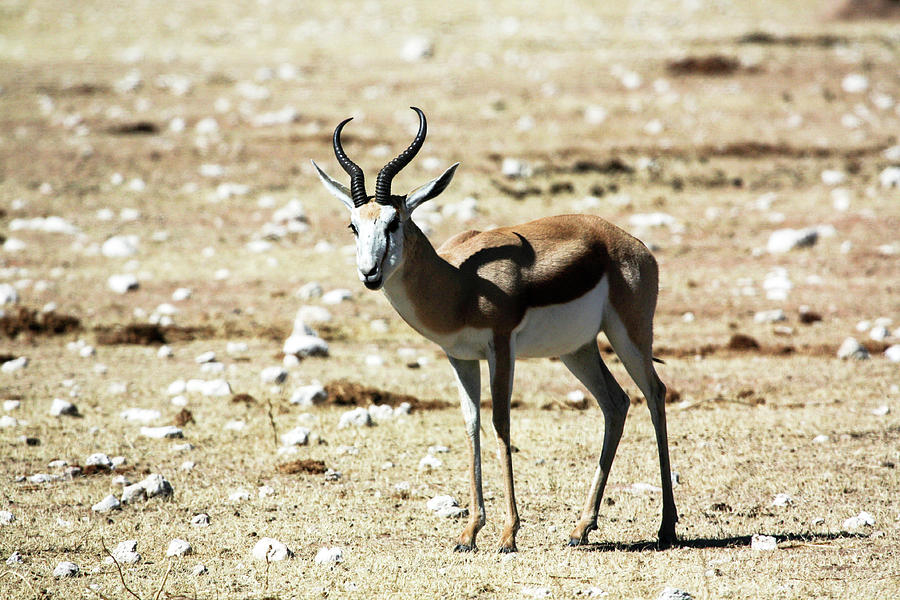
353	229
394	224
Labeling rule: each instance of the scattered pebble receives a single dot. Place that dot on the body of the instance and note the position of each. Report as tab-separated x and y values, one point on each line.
446	507
851	348
201	520
430	462
358	417
6	517
123	283
299	436
107	504
66	569
199	569
275	375
163	432
140	415
671	593
308	395
124	553
61	407
782	500
179	547
270	550
152	486
326	556
16	364
863	519
15	559
535	592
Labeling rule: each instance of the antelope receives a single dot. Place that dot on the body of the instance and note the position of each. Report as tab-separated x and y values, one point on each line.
545	288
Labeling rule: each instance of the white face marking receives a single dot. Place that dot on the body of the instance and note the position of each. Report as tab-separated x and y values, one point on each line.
379	242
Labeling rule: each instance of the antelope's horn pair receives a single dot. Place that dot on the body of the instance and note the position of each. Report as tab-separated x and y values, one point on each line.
383	183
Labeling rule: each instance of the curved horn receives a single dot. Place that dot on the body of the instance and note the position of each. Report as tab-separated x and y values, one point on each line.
383	184
357	178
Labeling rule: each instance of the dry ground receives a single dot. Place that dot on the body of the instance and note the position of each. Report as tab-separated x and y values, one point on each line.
766	115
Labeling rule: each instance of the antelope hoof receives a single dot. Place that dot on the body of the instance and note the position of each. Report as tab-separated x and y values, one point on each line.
465	548
579	536
507	549
667	539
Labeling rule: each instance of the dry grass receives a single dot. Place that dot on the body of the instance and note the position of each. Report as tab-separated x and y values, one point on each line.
741	432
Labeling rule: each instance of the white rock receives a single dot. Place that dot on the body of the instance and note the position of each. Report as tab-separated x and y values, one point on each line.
212	368
178	547
782	500
140	415
13	245
240	495
430	462
298	436
892	353
855	83
270	550
236	348
235	425
592	592
165	352
273	375
61	407
309	291
417	48
863	519
595	114
769	316
879	333
66	569
358	417
381	412
308	395
205	357
305	345
881	411
336	296
445	506
535	592
890	177
50	224
107	504
201	520
785	240
671	593
179	386
163	432
16	364
6	517
851	348
216	387
199	569
207	126
125	553
152	486
15	559
98	459
8	421
329	556
120	246
374	360
515	168
122	283
8	294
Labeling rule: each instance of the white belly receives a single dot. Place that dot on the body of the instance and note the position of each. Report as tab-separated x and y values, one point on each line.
562	328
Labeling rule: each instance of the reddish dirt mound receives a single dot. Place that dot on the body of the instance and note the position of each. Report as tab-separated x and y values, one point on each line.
183	418
348	393
740	341
857	10
26	320
147	334
303	465
243	399
714	64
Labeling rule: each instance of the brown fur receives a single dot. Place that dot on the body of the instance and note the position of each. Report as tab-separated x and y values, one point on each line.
489	279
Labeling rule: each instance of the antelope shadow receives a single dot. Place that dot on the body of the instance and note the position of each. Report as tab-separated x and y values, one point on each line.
736	541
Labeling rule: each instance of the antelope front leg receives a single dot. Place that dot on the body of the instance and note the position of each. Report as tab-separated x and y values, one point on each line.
502	366
468	380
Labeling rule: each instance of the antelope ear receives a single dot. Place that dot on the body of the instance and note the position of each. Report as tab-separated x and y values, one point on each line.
430	190
337	190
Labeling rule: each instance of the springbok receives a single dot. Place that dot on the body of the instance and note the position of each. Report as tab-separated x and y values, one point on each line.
541	289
